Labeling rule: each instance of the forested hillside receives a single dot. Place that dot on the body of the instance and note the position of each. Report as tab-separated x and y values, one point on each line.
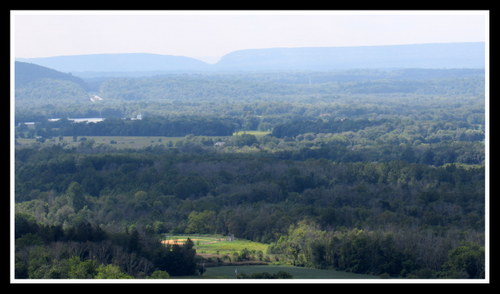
369	171
28	72
37	85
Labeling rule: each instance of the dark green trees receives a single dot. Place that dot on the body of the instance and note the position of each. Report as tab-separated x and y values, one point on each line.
466	261
177	260
75	196
379	253
201	222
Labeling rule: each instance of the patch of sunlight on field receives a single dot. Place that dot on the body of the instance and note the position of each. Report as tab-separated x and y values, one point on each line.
255	133
216	244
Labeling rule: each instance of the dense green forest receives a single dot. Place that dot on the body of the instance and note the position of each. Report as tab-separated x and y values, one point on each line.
372	172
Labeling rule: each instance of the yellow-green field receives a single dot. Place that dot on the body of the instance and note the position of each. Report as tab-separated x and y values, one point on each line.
216	244
255	133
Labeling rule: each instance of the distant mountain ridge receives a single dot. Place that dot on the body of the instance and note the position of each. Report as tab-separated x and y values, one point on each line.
123	62
435	55
445	55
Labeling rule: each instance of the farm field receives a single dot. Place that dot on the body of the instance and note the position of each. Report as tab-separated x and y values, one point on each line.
254	133
216	244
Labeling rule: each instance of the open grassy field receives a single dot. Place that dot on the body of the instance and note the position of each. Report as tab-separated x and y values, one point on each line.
255	133
216	244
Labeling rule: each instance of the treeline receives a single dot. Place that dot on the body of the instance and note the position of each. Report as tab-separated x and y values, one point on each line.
383	253
433	154
295	128
395	130
153	126
85	251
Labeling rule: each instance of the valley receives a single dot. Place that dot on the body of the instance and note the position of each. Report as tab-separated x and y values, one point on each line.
314	173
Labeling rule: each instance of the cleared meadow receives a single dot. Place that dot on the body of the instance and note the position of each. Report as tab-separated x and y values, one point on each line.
216	244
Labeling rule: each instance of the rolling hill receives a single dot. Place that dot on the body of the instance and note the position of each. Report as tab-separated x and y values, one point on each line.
26	73
41	84
119	63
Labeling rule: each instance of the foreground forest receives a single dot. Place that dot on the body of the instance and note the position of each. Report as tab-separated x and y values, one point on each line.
370	172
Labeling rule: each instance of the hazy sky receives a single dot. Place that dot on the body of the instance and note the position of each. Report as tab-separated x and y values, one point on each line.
210	34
